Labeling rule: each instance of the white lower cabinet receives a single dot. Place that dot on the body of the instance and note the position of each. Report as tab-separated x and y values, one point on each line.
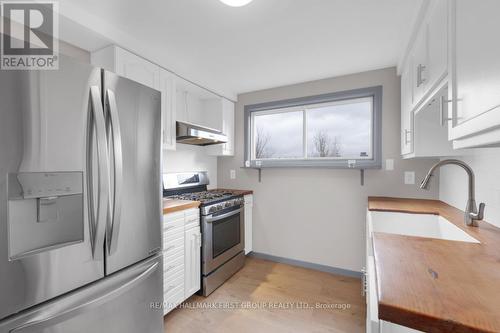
373	323
192	261
182	262
387	327
248	223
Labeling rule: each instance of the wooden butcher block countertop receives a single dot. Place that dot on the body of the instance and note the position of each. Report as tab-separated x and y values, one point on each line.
174	205
435	285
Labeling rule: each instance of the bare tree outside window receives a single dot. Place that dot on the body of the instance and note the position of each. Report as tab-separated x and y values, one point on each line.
325	146
262	139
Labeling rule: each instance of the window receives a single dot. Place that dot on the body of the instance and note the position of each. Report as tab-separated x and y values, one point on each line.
334	130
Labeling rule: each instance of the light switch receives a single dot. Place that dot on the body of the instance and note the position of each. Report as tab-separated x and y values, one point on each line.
232	174
409	177
389	164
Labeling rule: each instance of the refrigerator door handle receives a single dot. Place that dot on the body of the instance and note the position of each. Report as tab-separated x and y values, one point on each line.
73	307
96	123
114	215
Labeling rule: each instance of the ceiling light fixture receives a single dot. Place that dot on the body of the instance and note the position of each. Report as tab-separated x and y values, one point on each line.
236	3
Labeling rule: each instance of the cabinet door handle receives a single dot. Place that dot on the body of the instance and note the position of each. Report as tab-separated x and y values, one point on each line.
169	248
169	268
407	141
420	78
443	117
364	282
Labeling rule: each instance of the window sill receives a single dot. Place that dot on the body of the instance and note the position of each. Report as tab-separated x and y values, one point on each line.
358	166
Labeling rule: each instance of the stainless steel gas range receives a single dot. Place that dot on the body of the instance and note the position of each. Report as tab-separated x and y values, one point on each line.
222	226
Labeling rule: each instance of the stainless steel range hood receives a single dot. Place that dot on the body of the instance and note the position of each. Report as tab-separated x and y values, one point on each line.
193	134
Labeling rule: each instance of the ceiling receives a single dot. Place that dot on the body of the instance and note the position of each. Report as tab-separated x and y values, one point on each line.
265	44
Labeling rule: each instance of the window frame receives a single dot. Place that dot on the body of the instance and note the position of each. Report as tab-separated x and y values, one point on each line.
375	162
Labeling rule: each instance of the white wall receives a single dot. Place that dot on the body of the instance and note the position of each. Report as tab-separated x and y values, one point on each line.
486	165
191	158
74	51
318	215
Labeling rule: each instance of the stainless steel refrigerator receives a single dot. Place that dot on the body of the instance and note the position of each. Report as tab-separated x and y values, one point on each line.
80	202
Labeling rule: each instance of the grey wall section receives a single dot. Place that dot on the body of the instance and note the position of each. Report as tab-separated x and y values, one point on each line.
318	215
453	182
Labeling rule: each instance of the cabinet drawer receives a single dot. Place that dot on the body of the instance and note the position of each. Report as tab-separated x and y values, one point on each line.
172	224
173	233
192	221
172	284
172	266
170	302
192	212
173	216
172	245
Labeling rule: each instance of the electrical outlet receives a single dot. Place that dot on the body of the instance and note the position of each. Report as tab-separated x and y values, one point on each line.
389	164
232	174
409	177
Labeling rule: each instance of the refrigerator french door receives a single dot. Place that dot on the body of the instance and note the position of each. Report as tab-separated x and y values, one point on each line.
80	195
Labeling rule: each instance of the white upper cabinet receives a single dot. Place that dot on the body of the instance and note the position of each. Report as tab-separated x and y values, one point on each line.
437	42
228	127
424	76
181	100
127	64
475	55
419	65
168	108
429	53
406	111
222	111
133	67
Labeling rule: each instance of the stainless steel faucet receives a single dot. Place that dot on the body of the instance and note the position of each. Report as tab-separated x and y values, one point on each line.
472	215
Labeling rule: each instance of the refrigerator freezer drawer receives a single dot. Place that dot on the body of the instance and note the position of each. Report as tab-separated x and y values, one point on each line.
126	302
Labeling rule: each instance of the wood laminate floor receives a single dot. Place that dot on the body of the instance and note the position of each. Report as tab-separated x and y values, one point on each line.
270	297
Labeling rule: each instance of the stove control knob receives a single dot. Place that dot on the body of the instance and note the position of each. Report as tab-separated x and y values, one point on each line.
229	204
220	207
212	209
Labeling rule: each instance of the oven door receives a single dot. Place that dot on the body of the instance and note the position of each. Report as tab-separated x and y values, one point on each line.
223	237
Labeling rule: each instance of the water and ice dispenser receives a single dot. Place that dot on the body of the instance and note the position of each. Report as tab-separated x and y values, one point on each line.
45	211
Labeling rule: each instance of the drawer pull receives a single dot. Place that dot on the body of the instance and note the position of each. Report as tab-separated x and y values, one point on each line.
169	288
171	247
170	268
169	227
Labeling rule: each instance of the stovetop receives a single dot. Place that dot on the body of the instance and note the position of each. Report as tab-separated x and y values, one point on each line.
205	197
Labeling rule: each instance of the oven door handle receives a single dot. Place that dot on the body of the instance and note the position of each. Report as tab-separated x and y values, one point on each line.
211	218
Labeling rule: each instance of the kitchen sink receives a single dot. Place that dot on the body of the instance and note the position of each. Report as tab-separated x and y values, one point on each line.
421	225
